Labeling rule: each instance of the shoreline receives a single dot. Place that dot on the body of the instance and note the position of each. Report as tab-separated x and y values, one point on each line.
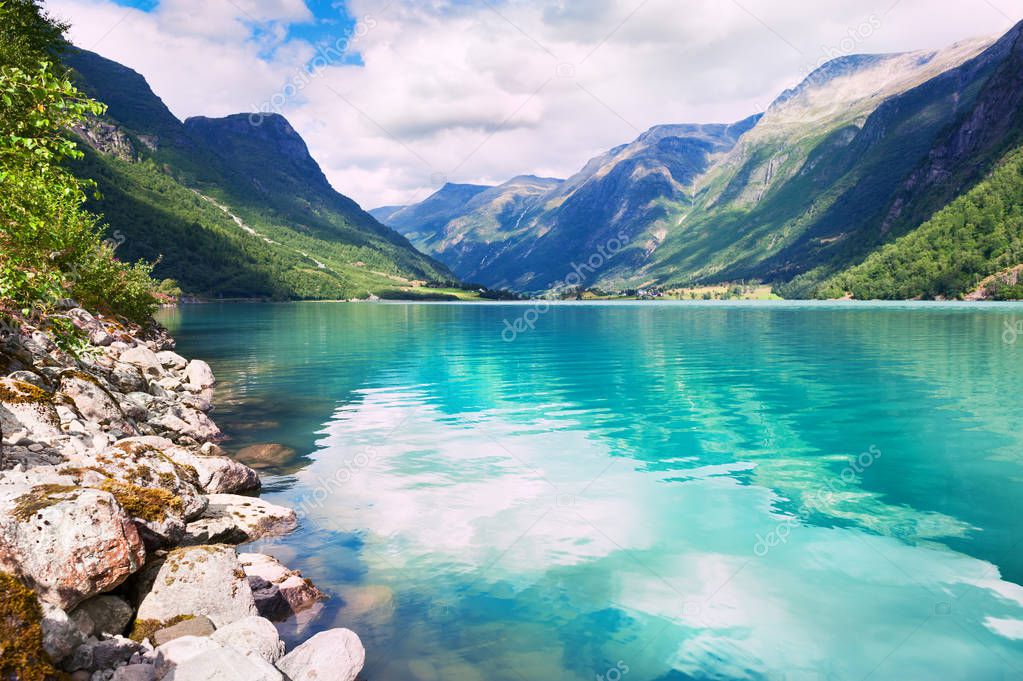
120	518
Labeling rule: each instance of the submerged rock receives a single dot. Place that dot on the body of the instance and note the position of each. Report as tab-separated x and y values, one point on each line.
265	455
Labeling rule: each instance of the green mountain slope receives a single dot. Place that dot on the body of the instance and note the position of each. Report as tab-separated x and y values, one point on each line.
231	208
813	185
948	256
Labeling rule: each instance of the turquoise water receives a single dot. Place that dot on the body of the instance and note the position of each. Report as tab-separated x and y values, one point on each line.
643	492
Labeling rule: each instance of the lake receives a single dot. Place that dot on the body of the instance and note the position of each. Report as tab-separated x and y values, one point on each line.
642	491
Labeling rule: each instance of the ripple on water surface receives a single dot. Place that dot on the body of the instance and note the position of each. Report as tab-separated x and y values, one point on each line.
644	492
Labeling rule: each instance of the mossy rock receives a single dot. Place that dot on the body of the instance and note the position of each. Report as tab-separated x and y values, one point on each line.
19	392
145	503
143	629
41	497
21	635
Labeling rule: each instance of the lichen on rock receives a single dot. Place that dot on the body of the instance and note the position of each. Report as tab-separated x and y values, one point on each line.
21	635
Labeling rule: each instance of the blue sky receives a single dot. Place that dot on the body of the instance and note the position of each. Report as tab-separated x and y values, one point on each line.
332	21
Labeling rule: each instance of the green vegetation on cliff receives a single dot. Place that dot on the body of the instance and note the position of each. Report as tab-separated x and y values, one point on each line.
233	207
977	234
51	246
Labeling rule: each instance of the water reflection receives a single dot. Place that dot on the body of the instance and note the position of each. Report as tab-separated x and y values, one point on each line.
675	491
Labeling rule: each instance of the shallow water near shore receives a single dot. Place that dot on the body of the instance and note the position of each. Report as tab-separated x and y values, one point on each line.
642	491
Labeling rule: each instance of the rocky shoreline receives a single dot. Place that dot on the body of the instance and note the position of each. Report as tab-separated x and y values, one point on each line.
119	521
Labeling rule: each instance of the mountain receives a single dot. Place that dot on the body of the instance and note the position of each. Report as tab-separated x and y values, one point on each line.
816	185
230	206
464	238
423	220
526	233
865	153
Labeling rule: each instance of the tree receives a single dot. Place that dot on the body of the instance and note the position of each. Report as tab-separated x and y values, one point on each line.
50	246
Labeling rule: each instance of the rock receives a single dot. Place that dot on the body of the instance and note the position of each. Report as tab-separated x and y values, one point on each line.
169	383
279	592
197	402
60	635
28	408
102	655
100	337
140	399
171	360
31	378
252	636
233	519
224	664
198	374
72	543
145	359
265	456
159	494
196	626
113	652
336	654
128	378
135	672
184	420
221	475
83	319
199	580
211	449
216	474
175	653
269	601
103	615
93	401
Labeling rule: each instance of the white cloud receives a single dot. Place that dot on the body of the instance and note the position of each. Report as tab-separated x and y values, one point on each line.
481	91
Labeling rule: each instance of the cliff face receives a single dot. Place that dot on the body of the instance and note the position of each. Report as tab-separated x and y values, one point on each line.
118	510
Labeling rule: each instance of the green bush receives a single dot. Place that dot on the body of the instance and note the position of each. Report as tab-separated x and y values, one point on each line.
51	248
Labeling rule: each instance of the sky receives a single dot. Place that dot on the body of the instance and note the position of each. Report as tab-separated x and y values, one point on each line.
397	97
